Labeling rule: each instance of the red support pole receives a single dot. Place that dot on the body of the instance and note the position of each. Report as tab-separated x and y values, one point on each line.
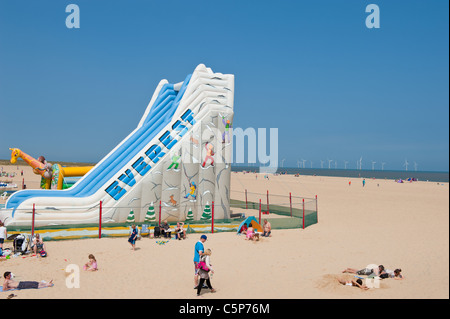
290	202
212	218
268	211
303	219
100	221
246	205
317	210
32	222
260	211
159	213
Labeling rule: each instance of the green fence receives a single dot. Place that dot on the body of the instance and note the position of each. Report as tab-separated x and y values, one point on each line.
283	212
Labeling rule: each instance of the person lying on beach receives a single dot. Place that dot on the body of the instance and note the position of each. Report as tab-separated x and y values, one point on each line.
371	269
91	265
396	274
9	284
353	283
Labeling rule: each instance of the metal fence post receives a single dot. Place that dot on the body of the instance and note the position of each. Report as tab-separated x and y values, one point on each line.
100	221
32	223
303	221
212	218
290	202
159	213
317	210
246	205
260	211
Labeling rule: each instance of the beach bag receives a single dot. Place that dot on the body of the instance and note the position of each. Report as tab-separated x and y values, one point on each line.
157	231
202	265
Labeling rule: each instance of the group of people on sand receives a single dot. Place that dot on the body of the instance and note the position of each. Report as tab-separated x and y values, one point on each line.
371	270
10	284
37	243
165	230
38	247
251	234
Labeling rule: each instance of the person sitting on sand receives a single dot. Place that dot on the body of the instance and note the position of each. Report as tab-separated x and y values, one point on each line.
180	232
10	284
267	229
353	283
91	265
38	244
166	231
371	269
244	229
251	234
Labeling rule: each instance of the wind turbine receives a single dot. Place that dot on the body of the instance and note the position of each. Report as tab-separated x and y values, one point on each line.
360	163
321	163
311	163
415	166
382	166
303	163
406	165
373	165
335	164
329	163
298	163
345	164
282	162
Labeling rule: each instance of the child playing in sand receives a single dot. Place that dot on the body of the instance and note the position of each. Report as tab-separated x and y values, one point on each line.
91	265
251	234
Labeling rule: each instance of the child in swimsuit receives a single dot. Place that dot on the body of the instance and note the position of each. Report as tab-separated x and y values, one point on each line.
91	265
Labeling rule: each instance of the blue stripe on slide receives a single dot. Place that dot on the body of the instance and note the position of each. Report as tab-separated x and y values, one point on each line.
159	116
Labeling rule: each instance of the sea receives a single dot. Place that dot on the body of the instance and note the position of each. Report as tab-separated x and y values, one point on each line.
440	177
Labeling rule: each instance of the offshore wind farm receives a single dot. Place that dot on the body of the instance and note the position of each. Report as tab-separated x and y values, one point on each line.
431	176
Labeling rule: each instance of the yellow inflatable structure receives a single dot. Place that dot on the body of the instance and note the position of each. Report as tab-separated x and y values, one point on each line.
52	175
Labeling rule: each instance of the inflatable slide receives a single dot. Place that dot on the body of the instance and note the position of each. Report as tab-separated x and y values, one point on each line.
176	160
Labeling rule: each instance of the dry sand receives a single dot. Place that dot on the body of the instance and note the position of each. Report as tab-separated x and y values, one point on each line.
398	225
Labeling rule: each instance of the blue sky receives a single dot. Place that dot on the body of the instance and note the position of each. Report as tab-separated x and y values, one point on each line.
334	88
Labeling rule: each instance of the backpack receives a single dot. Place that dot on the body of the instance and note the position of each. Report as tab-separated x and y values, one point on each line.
157	231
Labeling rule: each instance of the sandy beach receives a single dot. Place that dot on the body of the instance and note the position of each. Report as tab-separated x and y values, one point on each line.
398	225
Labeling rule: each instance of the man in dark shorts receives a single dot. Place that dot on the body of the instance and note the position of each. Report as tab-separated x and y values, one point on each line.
10	284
